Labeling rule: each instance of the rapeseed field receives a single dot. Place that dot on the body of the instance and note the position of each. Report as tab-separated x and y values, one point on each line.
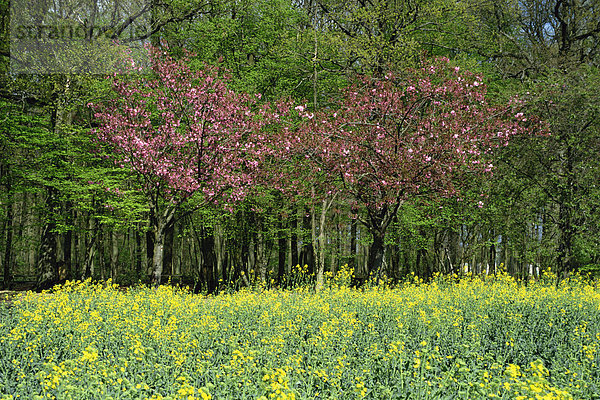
468	338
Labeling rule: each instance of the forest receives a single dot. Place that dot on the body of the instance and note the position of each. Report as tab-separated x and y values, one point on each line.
250	141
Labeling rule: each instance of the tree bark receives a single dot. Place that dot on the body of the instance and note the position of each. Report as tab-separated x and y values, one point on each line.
307	255
320	242
138	253
114	255
168	250
377	223
158	253
352	260
149	253
294	236
8	228
67	263
281	251
90	248
566	262
207	248
220	252
162	223
47	266
376	251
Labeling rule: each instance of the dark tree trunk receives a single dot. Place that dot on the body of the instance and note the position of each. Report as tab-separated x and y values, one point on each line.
294	237
47	267
168	250
209	260
307	254
565	246
101	253
282	244
7	262
8	228
566	261
220	254
419	262
67	272
492	259
378	222
138	253
376	251
395	272
455	258
149	253
352	259
423	267
245	248
114	254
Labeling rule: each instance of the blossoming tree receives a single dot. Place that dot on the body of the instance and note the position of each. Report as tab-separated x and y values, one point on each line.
183	133
390	139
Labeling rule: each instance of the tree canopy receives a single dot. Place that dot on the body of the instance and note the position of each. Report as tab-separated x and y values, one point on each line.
396	136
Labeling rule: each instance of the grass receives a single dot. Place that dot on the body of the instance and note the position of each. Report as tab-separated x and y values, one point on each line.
449	339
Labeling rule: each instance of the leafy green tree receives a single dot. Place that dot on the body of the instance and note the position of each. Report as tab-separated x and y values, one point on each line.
550	49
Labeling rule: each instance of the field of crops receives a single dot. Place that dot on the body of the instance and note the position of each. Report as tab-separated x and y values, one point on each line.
467	339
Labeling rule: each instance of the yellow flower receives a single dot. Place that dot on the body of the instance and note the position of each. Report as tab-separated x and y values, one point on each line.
513	370
90	354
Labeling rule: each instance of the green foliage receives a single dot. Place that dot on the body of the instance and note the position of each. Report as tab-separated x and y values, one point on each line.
254	41
376	36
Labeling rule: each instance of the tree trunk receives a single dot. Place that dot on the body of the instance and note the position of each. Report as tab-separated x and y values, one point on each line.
47	266
162	223
352	259
427	273
307	255
149	253
8	228
261	256
168	251
114	255
158	252
377	223
455	258
565	245
566	262
335	247
245	254
281	251
294	237
313	238
90	248
101	252
492	260
321	242
376	251
220	252
138	253
179	260
207	248
78	247
67	272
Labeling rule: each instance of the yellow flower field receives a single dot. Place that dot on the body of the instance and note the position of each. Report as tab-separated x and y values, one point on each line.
466	339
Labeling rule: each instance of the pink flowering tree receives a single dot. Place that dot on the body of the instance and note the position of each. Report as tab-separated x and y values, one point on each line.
398	137
183	134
